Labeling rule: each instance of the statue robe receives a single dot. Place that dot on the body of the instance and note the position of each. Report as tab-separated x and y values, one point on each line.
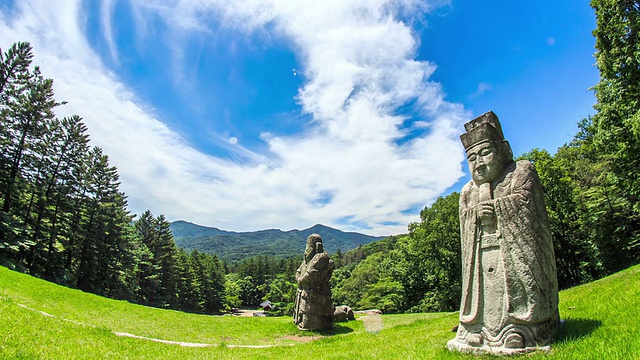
314	308
528	292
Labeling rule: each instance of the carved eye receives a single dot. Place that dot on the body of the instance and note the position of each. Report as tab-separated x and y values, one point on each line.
472	157
486	151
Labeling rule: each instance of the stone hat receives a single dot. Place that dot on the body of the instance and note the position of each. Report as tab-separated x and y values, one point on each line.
483	128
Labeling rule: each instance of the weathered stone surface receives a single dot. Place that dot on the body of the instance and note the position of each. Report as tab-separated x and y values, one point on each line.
313	308
509	299
343	313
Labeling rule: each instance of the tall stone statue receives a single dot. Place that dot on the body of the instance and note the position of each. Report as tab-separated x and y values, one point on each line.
509	286
313	307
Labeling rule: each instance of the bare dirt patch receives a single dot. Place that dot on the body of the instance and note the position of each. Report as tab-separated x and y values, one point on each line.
300	339
372	323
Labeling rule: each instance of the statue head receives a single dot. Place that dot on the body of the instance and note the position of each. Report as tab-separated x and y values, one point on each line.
488	153
314	246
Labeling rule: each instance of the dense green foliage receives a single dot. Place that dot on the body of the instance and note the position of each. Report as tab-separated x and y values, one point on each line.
418	272
63	217
617	122
567	181
261	278
616	125
236	246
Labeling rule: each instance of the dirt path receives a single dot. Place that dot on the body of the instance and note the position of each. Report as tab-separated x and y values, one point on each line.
300	339
245	312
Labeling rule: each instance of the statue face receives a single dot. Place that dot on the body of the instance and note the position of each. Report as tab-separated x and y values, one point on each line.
309	252
314	243
485	162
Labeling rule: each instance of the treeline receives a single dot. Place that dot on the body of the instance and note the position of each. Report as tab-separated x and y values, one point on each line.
418	272
168	277
592	193
63	217
259	278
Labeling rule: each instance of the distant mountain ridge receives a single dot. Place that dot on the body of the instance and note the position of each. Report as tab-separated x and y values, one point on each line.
234	246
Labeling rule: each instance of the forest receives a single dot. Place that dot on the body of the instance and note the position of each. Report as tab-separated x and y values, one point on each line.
63	217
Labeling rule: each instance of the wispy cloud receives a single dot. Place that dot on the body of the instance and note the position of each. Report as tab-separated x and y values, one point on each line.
106	13
358	167
482	88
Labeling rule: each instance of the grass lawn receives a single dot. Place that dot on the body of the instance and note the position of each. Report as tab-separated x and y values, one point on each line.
40	320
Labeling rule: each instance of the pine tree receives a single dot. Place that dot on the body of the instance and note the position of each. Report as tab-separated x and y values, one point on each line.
104	225
186	284
156	234
26	110
66	143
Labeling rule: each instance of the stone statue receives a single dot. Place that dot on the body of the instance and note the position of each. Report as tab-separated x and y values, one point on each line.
509	286
313	307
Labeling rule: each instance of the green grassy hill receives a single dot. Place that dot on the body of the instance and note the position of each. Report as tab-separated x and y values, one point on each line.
40	320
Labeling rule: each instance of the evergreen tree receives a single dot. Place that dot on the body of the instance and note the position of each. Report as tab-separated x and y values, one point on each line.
187	286
144	280
166	254
103	227
617	125
201	283
26	108
67	142
156	234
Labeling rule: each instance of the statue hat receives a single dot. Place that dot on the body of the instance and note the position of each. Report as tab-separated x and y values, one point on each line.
481	129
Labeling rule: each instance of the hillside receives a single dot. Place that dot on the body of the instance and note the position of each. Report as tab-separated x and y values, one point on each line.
234	246
41	320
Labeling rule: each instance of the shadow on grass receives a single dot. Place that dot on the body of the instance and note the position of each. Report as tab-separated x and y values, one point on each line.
575	329
338	330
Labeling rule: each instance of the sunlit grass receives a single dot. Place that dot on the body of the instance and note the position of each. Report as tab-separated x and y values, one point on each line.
601	323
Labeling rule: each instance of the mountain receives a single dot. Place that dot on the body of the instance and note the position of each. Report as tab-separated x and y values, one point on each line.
234	246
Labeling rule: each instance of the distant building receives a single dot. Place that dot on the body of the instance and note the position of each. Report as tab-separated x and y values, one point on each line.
266	305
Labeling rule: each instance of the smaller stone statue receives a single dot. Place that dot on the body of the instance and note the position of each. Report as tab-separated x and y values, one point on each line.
313	307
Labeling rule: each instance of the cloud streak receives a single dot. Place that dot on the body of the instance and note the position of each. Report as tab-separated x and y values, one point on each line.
363	164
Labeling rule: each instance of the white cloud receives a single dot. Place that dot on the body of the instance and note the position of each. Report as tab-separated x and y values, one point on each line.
355	163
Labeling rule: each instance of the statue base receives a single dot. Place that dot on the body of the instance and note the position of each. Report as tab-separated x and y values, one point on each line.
455	345
511	340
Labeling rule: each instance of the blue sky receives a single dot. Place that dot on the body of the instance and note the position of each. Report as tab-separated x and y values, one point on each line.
247	115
